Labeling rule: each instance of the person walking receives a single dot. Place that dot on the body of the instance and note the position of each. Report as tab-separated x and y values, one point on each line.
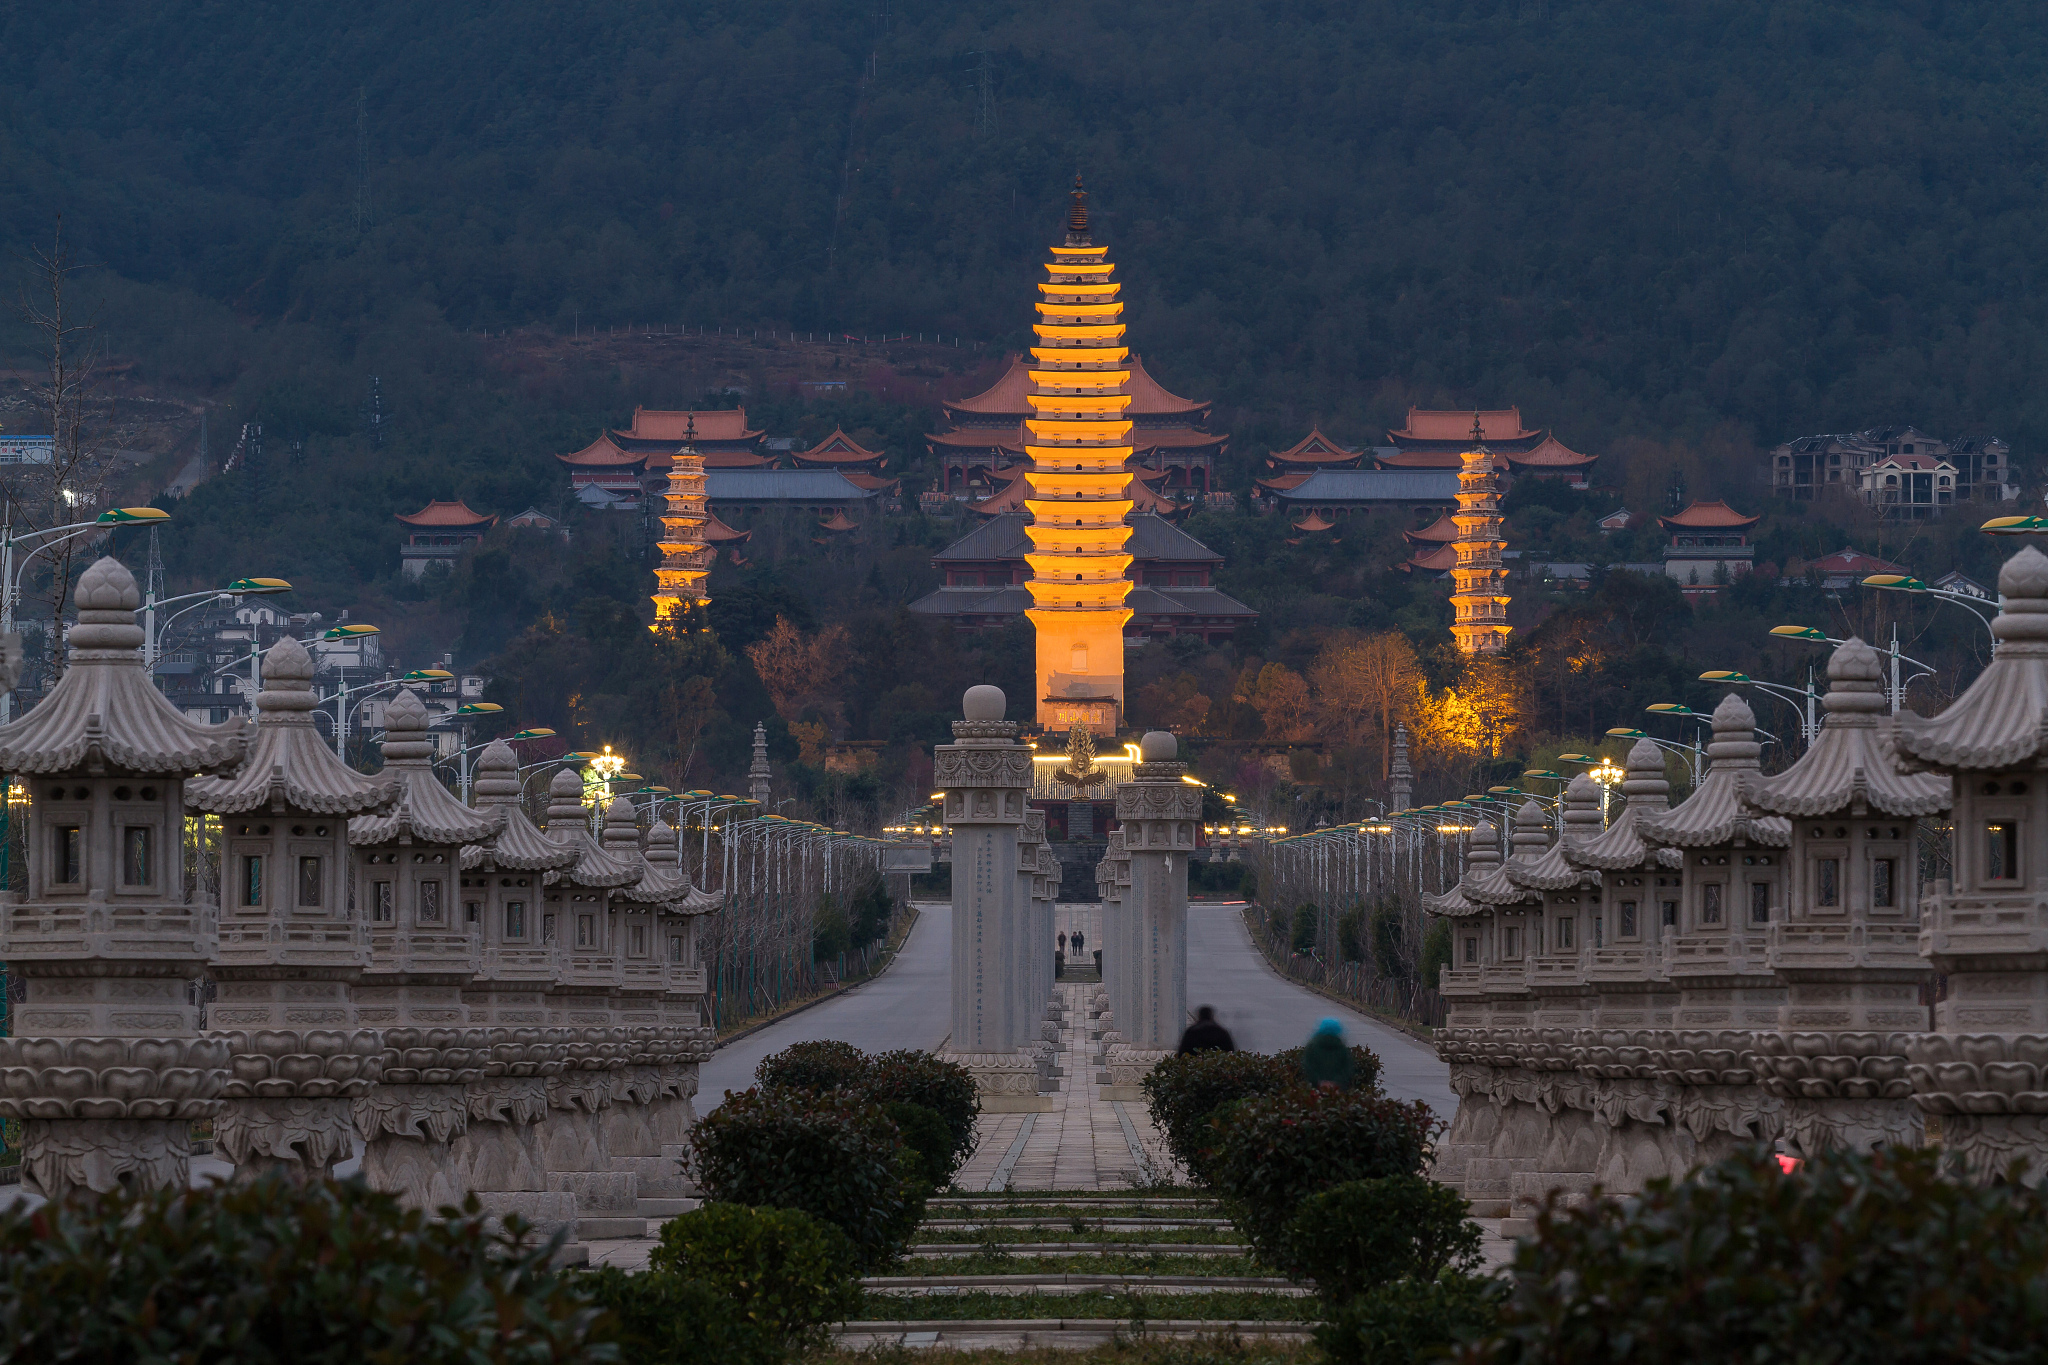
1205	1034
1076	941
1326	1061
1063	942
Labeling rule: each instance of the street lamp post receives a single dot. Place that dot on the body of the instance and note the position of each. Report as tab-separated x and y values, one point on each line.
1805	703
1906	583
1898	687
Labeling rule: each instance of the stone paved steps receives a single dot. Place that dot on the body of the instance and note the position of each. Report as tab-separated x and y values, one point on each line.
1075	1248
1070	1281
1019	1333
1094	1224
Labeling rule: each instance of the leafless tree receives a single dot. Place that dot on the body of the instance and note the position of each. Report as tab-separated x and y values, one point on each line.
73	483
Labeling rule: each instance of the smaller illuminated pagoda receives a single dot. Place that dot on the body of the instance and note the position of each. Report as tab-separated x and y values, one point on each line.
685	557
1480	598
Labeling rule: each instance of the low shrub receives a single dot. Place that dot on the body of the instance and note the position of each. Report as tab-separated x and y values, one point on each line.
784	1273
271	1272
1854	1259
1184	1093
1409	1322
655	1319
824	1064
829	1154
1362	1234
929	1141
1365	1066
1276	1150
902	1077
945	1088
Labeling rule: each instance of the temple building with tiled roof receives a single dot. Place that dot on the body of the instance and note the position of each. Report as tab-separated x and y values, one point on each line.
1709	546
1314	451
1552	459
439	533
620	469
987	431
1438	438
986	571
841	452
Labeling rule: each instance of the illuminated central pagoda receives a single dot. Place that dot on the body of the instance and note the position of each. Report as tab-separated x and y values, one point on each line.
1077	440
1481	598
685	558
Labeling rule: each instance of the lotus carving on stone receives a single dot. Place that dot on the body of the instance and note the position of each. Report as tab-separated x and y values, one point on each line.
111	1078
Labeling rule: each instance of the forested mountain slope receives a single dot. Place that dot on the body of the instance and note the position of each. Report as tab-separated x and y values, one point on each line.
1630	216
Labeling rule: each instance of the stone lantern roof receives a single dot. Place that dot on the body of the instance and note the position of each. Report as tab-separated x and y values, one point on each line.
1622	845
1527	846
1998	722
289	765
520	846
665	882
1846	768
427	812
1554	870
1713	814
104	712
594	867
1482	858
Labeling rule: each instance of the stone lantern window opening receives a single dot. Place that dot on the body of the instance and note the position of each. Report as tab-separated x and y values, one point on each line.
1628	919
429	900
252	880
1759	902
380	900
69	848
1564	933
2001	851
1883	874
515	919
138	856
1710	903
1472	949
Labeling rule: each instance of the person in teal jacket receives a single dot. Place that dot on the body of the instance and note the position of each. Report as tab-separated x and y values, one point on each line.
1326	1061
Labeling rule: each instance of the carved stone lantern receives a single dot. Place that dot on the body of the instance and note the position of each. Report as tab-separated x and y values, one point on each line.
1848	948
1460	1041
291	945
106	1068
1984	1072
499	1156
422	954
585	1001
683	908
1732	884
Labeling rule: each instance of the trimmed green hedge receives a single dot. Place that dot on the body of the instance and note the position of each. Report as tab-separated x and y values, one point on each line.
1355	1237
1277	1150
1185	1095
828	1154
1852	1260
946	1089
785	1273
274	1273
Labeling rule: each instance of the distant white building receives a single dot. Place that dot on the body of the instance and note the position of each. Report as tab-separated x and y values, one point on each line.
28	449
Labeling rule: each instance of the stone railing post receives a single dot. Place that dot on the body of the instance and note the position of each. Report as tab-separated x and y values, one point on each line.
1158	814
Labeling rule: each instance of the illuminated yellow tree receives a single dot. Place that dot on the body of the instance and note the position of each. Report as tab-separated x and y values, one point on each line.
1077	441
685	558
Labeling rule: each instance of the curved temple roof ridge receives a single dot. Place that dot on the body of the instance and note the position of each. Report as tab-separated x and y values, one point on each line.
519	846
1622	845
104	711
289	765
1847	768
427	812
1554	871
1713	814
2002	718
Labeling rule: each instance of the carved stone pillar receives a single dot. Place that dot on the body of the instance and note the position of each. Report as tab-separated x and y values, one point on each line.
291	945
986	775
422	953
1476	1120
1983	1074
1159	815
106	1068
1848	946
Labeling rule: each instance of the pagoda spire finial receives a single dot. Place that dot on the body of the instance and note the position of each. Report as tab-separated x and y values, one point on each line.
1478	431
1077	215
690	432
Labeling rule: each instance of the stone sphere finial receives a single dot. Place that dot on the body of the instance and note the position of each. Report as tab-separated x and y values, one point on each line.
2023	590
1855	680
1484	845
497	774
565	800
287	679
107	598
405	728
1645	759
1158	746
985	702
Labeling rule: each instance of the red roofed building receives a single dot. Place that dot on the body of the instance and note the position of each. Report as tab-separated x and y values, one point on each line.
841	452
1314	451
1552	459
1168	432
1847	568
620	468
1437	439
1709	546
439	533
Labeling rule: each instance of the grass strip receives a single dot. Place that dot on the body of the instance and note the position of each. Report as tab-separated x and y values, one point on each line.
1067	1232
1223	1349
1100	1263
1109	1305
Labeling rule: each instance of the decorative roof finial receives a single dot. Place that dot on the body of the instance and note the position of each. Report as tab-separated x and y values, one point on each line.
1077	215
1478	431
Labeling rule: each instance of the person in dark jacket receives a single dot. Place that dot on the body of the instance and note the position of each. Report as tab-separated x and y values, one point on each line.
1075	939
1326	1061
1206	1035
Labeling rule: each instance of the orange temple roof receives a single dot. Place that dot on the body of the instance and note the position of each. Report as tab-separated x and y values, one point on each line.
870	482
601	453
1149	398
838	449
1442	559
1420	459
982	438
1551	453
1709	516
1285	483
1005	396
716	532
838	522
1314	522
1442	531
1314	449
655	424
1176	438
456	513
1430	424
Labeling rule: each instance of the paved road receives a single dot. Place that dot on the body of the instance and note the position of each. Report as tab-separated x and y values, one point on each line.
907	1006
1265	1012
